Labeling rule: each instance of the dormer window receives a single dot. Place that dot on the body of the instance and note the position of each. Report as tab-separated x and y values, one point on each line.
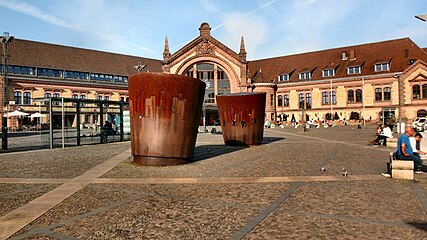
305	75
353	70
283	77
381	67
328	72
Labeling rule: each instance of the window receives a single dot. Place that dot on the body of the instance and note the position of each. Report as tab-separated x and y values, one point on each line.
416	93
380	67
100	97
387	94
122	99
301	100
328	72
271	100
16	70
359	97
75	96
283	77
82	97
47	95
106	98
378	94
325	99
285	100
279	101
350	96
308	100
353	70
424	91
56	103
333	97
305	75
27	98
17	97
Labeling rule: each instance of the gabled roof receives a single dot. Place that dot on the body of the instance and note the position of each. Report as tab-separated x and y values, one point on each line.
398	51
45	55
197	41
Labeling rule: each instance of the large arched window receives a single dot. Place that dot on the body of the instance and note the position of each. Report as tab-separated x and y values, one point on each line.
27	98
308	100
17	97
214	76
325	98
378	94
350	96
416	93
279	100
286	100
359	96
387	94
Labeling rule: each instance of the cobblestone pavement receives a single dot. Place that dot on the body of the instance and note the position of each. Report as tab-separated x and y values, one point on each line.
272	191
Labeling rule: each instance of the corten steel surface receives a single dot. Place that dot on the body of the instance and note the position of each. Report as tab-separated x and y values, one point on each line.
242	118
164	113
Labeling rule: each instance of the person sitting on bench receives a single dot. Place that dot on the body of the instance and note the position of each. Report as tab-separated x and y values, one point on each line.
405	151
416	144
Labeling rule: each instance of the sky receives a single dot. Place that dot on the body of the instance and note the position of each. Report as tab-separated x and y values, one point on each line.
270	27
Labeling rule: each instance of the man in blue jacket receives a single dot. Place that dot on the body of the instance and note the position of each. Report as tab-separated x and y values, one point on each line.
405	151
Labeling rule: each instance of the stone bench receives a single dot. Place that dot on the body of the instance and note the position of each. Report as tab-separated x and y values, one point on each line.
401	169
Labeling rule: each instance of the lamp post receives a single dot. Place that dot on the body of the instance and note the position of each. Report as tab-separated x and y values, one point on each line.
5	40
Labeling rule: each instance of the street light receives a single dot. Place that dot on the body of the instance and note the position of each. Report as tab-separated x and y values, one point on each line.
5	40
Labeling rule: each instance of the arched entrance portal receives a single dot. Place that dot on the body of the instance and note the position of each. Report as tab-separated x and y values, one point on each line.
218	84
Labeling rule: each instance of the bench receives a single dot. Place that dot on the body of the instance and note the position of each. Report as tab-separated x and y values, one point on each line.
401	169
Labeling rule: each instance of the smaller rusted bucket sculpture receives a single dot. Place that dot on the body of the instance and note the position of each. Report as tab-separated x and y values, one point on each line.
164	114
242	118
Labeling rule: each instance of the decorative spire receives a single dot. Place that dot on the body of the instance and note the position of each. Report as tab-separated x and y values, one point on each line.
205	29
166	52
242	52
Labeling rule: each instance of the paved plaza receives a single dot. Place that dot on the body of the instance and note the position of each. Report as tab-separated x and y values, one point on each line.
272	191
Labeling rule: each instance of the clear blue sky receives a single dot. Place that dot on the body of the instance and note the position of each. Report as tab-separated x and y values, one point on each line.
270	27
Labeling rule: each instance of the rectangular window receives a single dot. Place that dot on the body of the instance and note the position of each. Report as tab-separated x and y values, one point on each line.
286	100
283	77
333	97
16	70
380	67
353	70
328	73
87	119
325	98
387	94
378	94
271	100
305	75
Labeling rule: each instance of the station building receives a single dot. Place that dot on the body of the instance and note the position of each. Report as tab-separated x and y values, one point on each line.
368	81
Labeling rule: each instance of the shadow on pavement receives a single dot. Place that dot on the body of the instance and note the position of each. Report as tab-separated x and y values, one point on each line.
268	140
419	225
204	152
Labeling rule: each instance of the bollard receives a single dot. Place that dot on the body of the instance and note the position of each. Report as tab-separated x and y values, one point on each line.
164	113
242	118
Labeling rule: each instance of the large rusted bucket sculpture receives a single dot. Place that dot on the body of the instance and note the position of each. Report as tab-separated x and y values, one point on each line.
164	114
242	118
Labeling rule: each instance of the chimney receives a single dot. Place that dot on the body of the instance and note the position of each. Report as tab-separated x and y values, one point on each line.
352	55
205	29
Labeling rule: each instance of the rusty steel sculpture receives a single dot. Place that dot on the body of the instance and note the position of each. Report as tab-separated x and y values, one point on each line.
242	118
164	113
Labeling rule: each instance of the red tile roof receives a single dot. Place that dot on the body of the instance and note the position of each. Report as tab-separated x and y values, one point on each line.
38	54
398	52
